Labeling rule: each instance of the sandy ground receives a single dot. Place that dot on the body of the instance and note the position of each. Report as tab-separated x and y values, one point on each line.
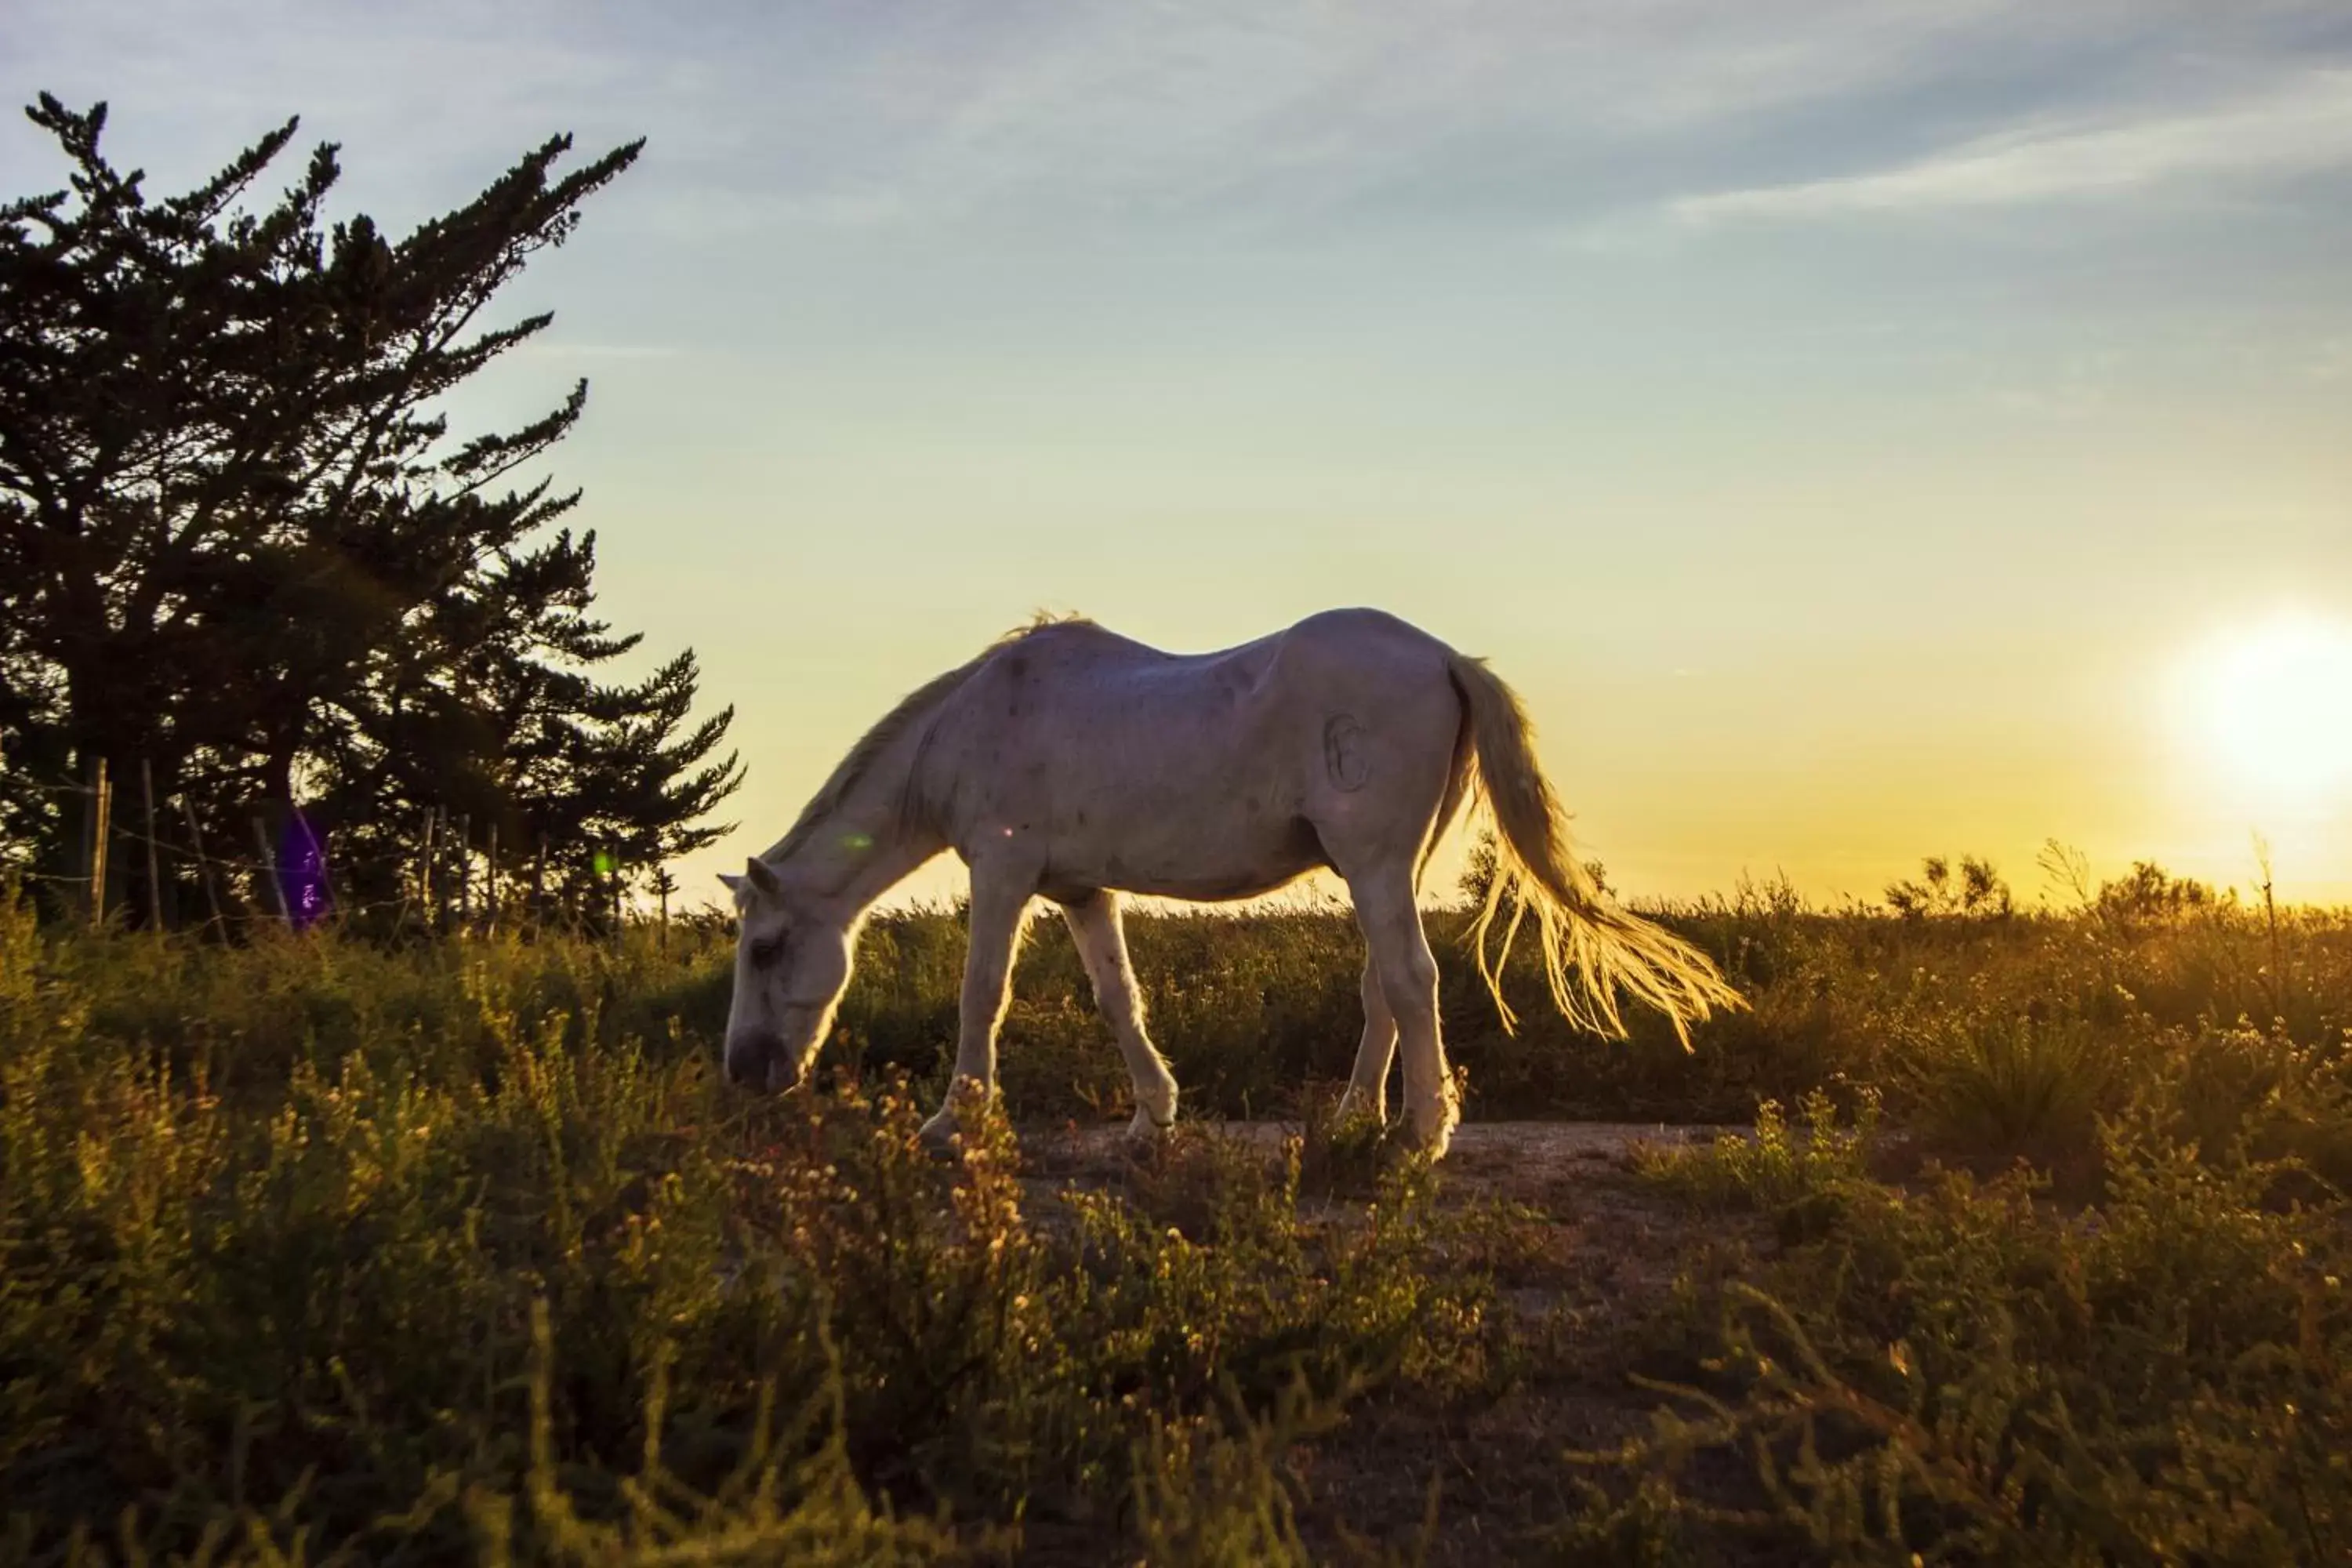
1523	1161
1605	1252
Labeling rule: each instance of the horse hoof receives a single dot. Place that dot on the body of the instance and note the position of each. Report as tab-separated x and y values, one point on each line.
1428	1143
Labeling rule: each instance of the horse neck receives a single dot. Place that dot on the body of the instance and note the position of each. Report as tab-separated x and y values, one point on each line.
860	849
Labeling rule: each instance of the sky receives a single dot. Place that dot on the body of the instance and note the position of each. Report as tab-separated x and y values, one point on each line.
1862	429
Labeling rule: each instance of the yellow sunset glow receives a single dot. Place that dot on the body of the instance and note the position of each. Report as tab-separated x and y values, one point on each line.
2272	705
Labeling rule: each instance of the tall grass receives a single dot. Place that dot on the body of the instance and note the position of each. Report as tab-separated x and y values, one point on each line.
314	1249
1967	1373
317	1251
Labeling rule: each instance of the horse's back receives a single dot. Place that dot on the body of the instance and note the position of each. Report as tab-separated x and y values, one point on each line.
1373	641
1370	644
1085	681
1202	775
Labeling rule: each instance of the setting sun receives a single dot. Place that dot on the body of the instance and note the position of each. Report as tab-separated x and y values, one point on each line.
2272	705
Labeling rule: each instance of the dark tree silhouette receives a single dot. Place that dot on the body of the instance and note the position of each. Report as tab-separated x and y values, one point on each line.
237	540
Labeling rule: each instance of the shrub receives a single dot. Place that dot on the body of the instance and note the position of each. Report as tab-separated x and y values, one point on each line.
1777	1164
1968	1376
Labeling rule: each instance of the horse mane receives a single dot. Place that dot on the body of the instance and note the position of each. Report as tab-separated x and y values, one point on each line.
917	706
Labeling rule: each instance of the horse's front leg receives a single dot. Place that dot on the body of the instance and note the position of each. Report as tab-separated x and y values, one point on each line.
998	903
1101	939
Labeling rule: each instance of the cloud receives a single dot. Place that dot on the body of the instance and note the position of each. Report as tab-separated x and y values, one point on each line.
2300	124
536	349
842	118
429	100
1299	105
2083	387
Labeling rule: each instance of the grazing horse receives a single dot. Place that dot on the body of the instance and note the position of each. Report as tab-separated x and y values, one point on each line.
1069	763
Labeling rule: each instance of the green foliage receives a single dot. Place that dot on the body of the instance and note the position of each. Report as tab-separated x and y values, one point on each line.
1777	1164
403	1255
1978	893
1221	1493
2010	1085
1478	872
1644	1529
2151	894
1972	1376
1344	1155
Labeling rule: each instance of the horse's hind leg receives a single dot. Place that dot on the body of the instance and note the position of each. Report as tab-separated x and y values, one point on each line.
1391	921
1368	1086
1095	926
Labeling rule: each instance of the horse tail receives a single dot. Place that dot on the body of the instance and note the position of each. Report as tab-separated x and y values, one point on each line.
1460	780
1581	928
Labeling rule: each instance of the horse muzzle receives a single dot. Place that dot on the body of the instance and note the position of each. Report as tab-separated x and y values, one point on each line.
762	1064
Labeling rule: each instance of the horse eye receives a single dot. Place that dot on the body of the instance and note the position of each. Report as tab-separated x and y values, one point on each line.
763	953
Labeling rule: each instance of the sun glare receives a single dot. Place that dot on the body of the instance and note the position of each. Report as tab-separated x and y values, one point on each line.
2272	706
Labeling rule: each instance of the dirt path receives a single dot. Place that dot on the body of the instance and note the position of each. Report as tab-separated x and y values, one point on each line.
1521	1160
1592	1265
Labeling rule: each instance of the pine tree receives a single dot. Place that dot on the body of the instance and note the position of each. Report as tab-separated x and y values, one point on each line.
237	540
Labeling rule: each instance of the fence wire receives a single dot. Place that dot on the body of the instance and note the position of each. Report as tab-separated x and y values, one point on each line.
505	891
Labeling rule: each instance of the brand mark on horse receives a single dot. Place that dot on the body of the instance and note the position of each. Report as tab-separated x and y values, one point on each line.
1343	752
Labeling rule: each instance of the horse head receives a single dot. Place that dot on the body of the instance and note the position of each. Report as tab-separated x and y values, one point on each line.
791	968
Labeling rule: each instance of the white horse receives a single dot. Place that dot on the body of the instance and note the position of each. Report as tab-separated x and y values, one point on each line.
1069	763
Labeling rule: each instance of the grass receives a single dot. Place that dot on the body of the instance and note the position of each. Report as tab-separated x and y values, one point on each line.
1969	1373
323	1251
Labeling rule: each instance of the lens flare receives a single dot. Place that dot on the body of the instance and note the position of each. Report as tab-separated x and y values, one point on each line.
302	872
2271	708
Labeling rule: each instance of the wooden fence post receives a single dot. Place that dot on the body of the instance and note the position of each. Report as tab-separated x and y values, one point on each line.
490	880
154	876
615	891
101	812
203	867
424	876
89	838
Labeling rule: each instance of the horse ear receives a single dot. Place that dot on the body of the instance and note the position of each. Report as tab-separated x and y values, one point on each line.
734	883
762	876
